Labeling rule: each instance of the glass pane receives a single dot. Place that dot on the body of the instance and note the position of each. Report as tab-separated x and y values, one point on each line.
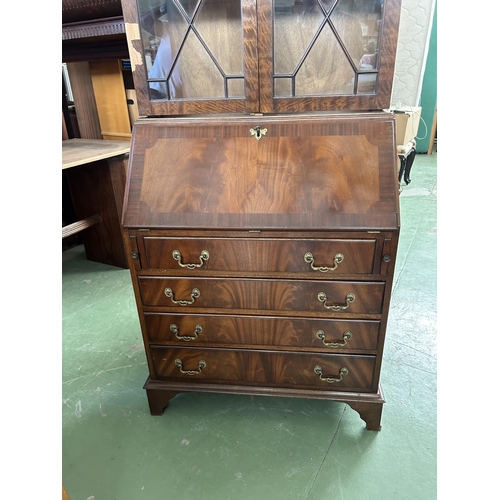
190	47
294	28
326	69
236	87
358	24
367	83
163	28
219	24
189	7
327	4
283	87
199	76
325	43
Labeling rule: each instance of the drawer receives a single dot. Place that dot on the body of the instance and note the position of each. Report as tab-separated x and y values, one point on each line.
322	256
270	368
338	297
200	330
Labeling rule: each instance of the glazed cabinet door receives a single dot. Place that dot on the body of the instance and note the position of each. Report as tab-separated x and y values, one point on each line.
326	54
268	56
193	56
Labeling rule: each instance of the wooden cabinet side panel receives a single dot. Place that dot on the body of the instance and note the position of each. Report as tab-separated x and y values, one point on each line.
130	246
85	104
111	99
136	54
103	242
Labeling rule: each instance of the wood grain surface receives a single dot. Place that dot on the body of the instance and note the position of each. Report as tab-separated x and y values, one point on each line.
265	368
268	255
259	295
306	172
82	151
285	333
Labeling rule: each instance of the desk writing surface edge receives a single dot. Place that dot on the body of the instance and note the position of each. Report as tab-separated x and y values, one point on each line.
82	151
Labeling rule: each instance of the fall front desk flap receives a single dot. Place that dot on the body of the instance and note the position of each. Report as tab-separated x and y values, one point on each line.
309	172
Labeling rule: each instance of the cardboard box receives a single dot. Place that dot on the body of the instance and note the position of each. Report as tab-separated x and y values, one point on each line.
407	122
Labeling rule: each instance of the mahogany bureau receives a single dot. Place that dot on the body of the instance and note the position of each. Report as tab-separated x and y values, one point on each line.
264	266
261	213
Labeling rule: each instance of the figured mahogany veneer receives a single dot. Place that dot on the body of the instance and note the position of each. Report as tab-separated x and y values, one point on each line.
257	294
266	368
289	333
269	255
262	247
309	172
264	266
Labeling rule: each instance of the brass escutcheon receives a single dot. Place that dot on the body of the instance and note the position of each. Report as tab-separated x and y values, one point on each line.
258	132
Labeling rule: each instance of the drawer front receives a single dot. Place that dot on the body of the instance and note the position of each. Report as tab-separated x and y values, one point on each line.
343	256
271	368
199	330
276	295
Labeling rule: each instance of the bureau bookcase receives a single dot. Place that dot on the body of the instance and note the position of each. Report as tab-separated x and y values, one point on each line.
261	214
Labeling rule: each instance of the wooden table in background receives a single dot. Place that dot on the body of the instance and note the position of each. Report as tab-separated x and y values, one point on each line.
96	171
